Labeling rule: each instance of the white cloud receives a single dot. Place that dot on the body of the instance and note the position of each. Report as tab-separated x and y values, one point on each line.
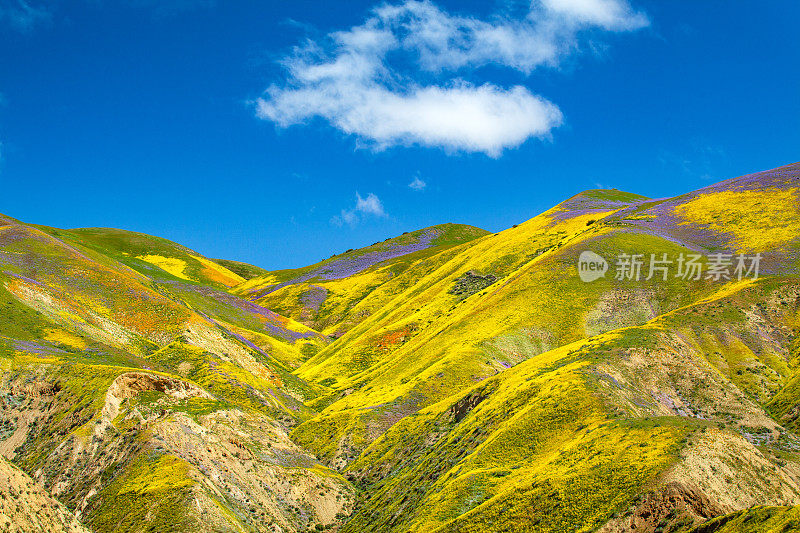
365	80
369	206
608	14
417	184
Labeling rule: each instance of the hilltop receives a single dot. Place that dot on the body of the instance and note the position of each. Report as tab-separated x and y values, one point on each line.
448	379
323	295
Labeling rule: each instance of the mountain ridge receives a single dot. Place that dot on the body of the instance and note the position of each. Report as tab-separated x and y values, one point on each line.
448	379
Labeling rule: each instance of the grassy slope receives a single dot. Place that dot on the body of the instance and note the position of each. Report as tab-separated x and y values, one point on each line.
153	256
759	519
76	320
103	301
325	294
426	344
245	270
572	437
195	282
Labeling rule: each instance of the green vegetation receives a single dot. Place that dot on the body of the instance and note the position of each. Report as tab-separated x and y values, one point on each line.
151	495
151	256
756	520
245	270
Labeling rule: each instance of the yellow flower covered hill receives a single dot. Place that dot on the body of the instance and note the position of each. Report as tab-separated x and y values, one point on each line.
616	363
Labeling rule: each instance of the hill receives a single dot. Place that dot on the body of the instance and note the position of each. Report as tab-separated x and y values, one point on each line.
405	364
324	295
134	397
448	379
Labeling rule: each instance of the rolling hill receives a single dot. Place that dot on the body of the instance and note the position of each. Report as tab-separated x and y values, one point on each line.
325	295
449	379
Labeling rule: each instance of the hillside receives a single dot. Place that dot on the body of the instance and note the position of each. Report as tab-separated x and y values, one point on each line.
396	375
26	506
325	295
134	396
448	379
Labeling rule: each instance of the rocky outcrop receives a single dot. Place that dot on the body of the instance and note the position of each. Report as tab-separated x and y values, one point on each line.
131	384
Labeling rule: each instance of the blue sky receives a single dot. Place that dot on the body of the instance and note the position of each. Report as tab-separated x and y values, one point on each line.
279	133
